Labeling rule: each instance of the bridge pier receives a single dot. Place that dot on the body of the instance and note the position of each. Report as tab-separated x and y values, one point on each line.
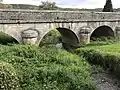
84	35
30	36
117	31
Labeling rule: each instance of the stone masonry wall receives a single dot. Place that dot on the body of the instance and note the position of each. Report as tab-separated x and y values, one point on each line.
28	16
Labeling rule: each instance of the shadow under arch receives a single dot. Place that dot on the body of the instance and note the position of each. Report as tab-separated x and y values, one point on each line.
5	39
69	37
102	31
65	36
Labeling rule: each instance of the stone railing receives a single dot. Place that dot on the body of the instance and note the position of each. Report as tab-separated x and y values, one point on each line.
22	16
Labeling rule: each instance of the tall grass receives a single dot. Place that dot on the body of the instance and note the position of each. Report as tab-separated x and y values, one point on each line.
107	56
47	68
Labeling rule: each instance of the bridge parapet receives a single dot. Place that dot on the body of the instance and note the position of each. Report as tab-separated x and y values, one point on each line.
41	16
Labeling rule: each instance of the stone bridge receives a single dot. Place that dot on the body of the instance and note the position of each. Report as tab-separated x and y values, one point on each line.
75	27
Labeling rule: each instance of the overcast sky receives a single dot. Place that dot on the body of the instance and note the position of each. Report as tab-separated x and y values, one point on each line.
68	3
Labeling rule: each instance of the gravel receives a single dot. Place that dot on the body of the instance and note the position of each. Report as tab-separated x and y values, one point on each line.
106	81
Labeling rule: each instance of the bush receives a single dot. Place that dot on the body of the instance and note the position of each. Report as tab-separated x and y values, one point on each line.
108	60
48	68
104	40
8	78
52	37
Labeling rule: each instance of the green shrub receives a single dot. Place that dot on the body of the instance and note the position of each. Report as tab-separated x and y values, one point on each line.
8	78
48	68
52	37
104	40
108	60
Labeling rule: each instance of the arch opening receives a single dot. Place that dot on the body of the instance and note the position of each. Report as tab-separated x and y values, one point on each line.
52	37
6	39
69	37
61	35
102	31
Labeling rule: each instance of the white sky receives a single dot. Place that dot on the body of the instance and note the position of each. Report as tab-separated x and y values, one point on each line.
68	3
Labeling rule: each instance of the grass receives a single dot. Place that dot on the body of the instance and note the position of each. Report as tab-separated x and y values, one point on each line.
104	44
113	48
46	68
105	55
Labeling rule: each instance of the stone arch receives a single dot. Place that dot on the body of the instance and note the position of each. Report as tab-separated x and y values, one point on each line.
7	38
67	36
102	31
14	34
12	30
50	37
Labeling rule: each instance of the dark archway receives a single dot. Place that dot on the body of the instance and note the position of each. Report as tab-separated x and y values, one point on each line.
61	35
102	31
5	39
69	37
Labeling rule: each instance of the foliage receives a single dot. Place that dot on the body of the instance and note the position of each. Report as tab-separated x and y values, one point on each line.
8	78
47	68
108	6
47	5
104	41
108	58
110	48
52	37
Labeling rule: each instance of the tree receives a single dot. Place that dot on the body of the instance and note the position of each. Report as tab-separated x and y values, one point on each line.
48	6
108	6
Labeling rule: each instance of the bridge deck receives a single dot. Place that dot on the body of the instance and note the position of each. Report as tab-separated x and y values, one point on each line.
42	16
